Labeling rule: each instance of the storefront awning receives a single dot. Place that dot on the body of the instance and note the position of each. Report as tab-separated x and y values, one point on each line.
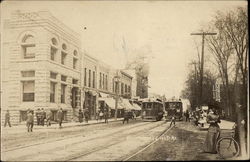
127	105
103	95
111	102
136	107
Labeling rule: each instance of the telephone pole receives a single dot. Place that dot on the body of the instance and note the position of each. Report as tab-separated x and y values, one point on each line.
203	34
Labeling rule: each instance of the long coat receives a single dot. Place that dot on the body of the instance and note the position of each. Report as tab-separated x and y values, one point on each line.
30	118
212	134
80	116
59	115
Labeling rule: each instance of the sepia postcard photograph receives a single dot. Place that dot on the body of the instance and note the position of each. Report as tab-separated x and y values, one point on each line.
124	80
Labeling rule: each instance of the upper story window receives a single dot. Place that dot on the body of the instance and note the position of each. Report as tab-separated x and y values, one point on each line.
93	79
63	54
28	47
75	53
75	60
64	47
53	75
85	76
28	73
28	91
63	78
106	82
89	78
53	49
54	42
63	58
74	81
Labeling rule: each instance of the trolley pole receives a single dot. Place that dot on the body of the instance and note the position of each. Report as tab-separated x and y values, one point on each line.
203	34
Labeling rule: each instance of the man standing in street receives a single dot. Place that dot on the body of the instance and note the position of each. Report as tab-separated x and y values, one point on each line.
187	116
106	115
49	117
126	116
173	118
7	119
38	116
43	116
86	115
30	120
60	117
80	116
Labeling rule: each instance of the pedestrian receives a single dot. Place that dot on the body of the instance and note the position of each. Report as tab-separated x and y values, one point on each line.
86	115
7	119
38	116
101	115
187	116
60	117
143	114
43	116
134	115
97	115
173	118
80	116
30	121
49	118
106	115
126	117
213	131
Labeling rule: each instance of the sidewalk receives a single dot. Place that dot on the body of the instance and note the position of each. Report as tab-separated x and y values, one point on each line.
23	128
224	124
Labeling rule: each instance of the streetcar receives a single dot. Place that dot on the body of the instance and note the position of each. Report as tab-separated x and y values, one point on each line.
152	110
174	108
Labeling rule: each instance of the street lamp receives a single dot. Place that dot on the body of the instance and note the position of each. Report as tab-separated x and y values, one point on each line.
116	79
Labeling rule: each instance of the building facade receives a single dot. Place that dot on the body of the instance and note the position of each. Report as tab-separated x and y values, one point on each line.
43	66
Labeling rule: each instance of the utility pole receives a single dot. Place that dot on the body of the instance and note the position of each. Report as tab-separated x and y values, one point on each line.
203	34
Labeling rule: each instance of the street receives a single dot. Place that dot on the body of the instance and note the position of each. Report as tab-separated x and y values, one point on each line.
107	142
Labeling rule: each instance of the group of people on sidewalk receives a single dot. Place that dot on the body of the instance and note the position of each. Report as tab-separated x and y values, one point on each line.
41	117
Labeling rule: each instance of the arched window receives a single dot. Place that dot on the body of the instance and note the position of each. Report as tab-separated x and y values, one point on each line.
54	41
64	47
53	49
75	60
28	47
75	53
63	54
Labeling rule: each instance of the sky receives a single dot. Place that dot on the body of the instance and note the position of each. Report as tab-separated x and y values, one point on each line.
119	30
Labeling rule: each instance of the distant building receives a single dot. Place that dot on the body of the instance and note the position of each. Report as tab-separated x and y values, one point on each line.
132	73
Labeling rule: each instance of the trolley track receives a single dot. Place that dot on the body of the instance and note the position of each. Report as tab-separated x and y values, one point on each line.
61	139
77	142
81	155
148	145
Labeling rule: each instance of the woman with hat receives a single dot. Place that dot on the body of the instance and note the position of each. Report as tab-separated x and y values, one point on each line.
213	131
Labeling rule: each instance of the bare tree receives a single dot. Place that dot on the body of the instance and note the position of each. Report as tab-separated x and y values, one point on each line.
232	41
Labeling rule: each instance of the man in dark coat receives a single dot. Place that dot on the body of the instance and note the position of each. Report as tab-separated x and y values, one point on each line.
173	118
80	116
126	116
60	117
38	116
187	116
30	120
7	119
106	115
49	118
43	116
86	115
